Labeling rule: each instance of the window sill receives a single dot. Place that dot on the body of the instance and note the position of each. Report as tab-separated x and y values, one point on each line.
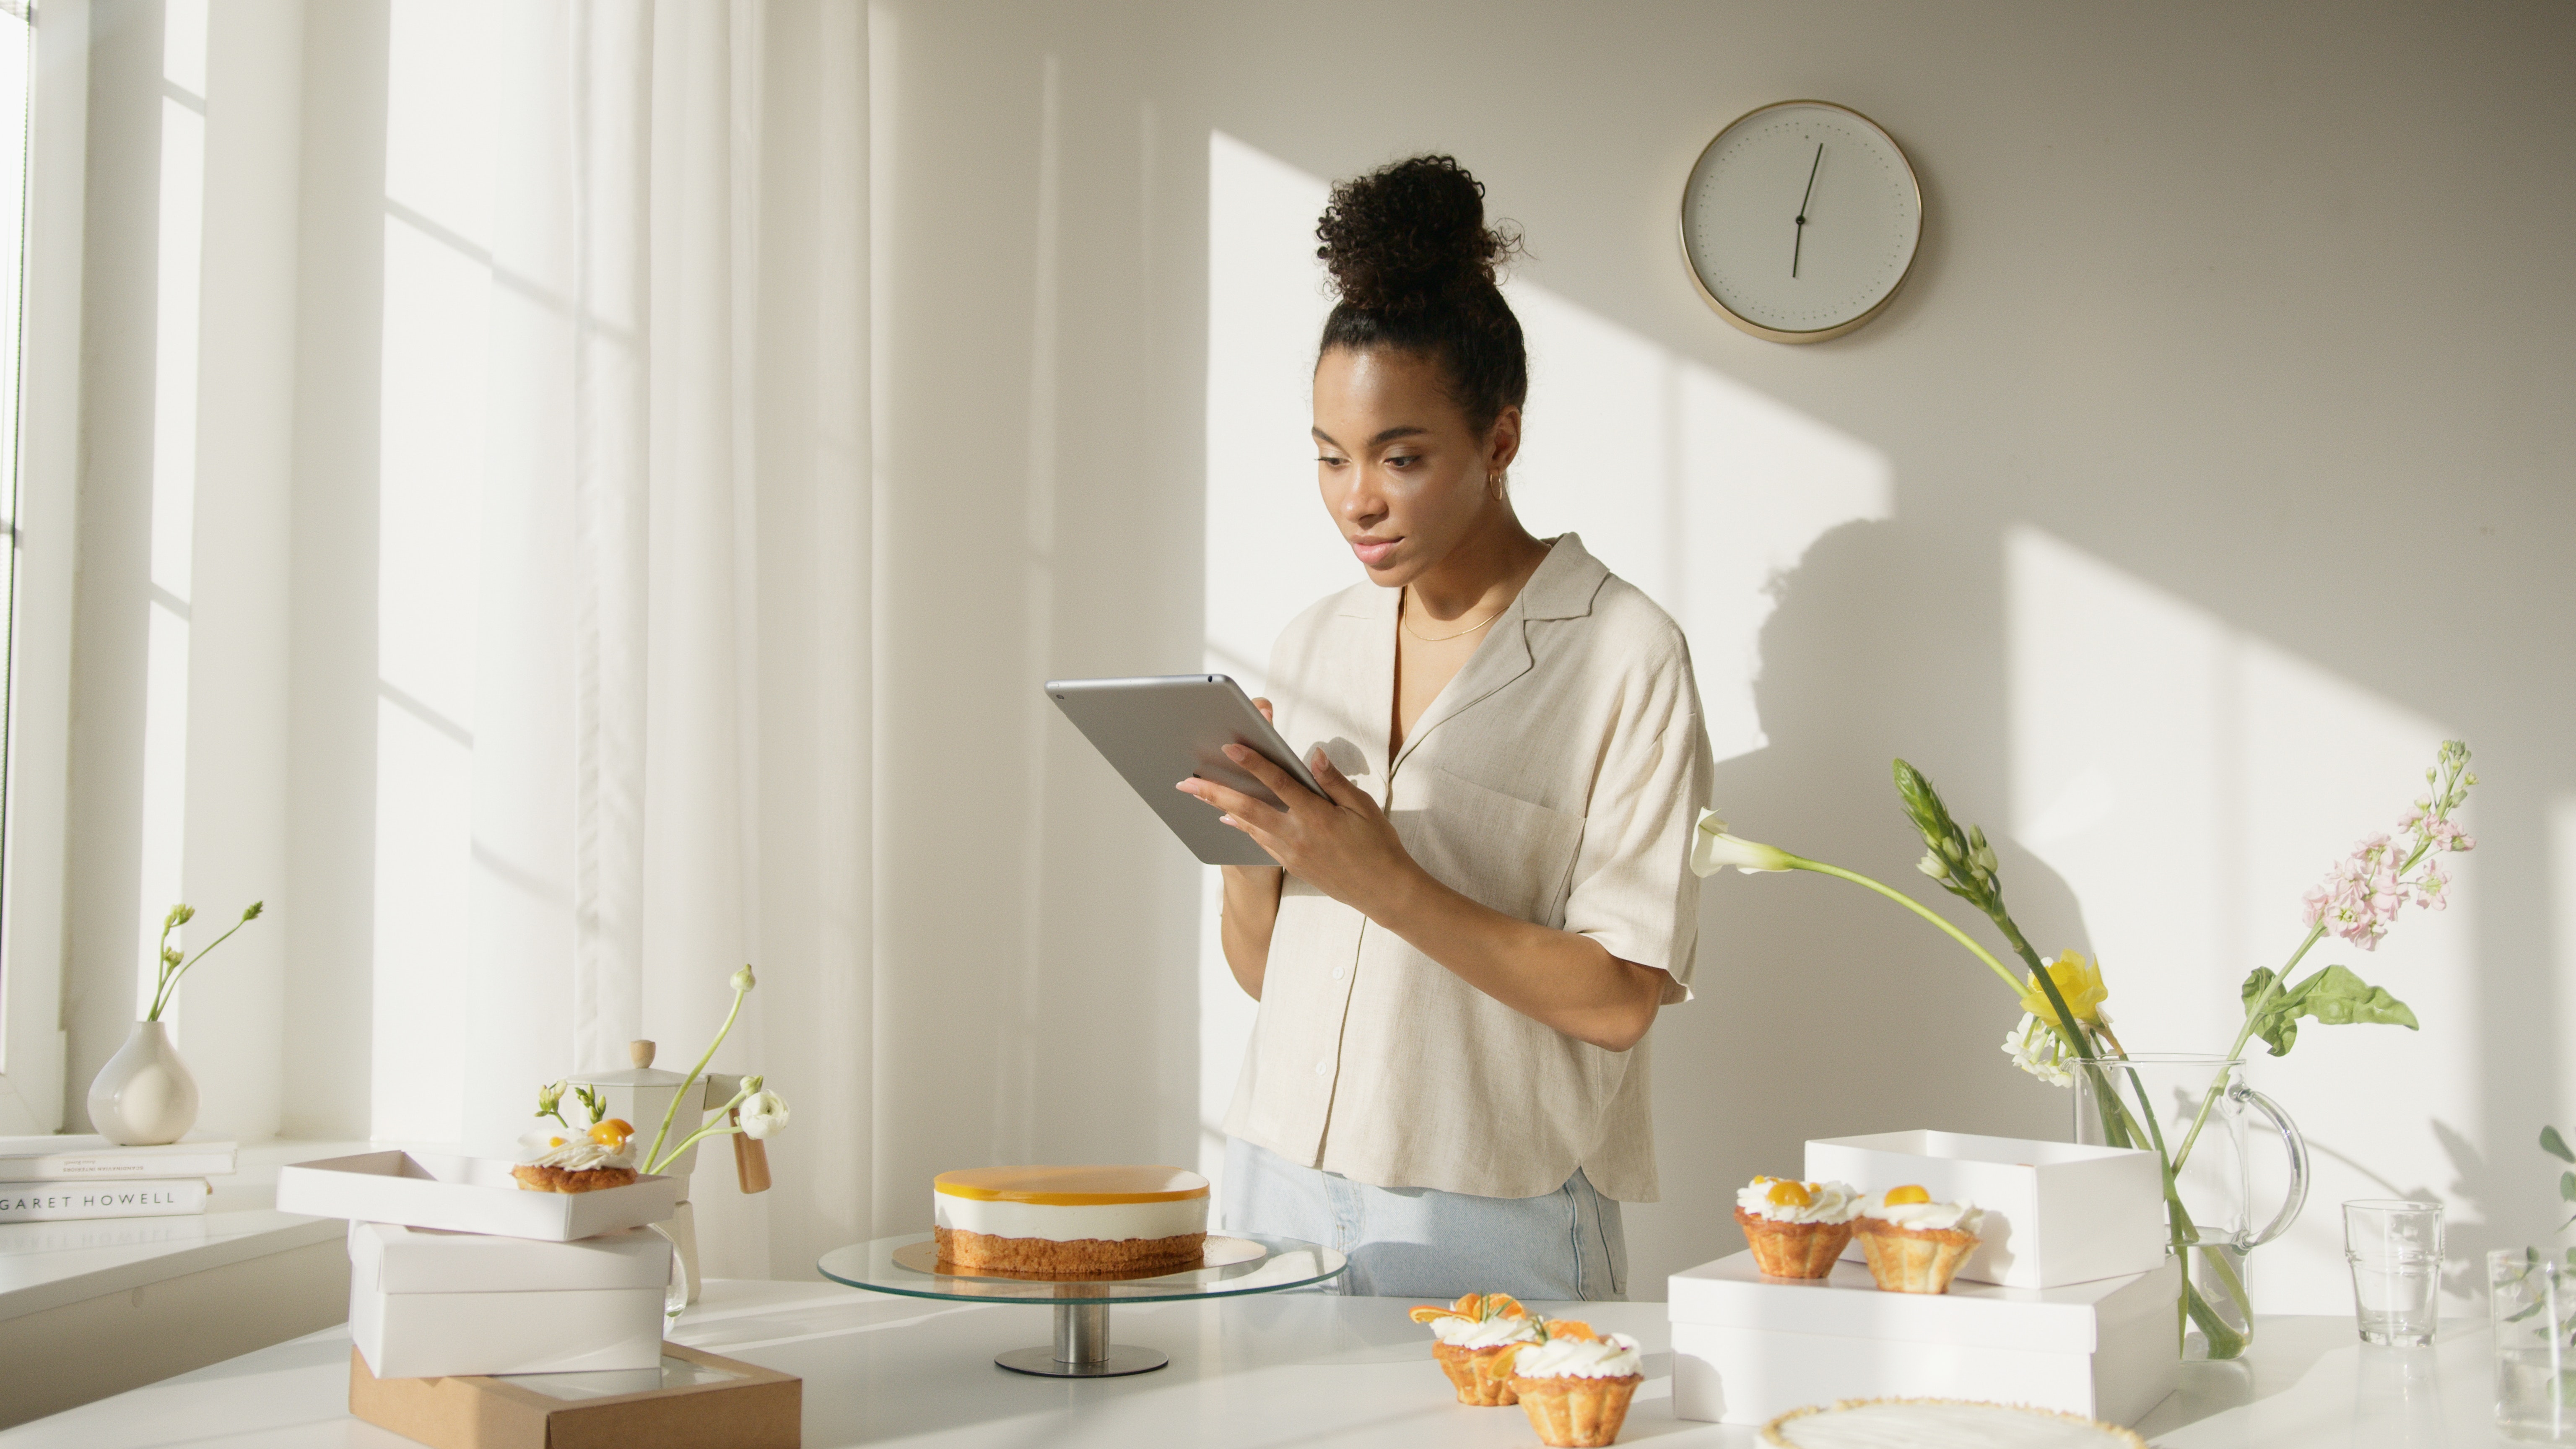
95	1306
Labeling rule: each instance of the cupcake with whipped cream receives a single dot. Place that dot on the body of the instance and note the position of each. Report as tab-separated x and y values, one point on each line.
577	1160
1915	1245
1474	1339
1575	1384
1796	1229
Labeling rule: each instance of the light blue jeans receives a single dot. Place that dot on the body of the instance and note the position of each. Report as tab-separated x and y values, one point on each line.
1420	1242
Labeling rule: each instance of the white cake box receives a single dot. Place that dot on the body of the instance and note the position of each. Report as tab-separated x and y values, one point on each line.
1747	1349
2056	1213
465	1195
427	1304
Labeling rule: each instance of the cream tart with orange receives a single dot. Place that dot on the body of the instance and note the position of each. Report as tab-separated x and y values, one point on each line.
1070	1219
1796	1229
1575	1384
578	1161
1474	1339
1916	1245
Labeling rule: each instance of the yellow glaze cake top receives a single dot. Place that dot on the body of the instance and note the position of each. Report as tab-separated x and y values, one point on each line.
1071	1186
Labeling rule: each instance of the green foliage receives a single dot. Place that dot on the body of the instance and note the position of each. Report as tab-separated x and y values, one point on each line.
2555	1145
2333	997
592	1102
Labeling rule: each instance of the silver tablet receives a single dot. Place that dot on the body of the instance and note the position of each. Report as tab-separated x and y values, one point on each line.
1162	730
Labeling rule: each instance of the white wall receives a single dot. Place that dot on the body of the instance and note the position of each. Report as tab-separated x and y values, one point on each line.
2207	470
2224	479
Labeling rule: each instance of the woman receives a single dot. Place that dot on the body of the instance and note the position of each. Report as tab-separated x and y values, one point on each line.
1477	922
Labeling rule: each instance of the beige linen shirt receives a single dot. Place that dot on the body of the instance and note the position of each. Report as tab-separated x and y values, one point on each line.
1556	779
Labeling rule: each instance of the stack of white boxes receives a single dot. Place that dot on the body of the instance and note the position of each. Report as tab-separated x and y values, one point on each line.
454	1271
2067	1304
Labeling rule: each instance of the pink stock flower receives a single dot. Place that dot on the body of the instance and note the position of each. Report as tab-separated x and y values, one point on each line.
2362	893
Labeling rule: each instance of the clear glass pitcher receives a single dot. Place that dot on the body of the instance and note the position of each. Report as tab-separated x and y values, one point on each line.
2197	1113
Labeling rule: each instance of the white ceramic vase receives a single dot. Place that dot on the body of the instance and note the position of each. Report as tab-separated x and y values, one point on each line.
144	1096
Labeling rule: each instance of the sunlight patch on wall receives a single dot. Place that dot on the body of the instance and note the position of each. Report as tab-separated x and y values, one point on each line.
2190	783
1689	485
438	185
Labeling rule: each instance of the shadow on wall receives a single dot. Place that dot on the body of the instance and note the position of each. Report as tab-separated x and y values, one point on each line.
1822	1011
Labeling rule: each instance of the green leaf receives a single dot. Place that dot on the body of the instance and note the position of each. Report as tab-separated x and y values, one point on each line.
2567	1187
2555	1145
2332	997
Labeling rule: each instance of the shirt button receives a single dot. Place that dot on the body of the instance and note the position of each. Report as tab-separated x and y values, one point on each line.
1323	1068
1341	971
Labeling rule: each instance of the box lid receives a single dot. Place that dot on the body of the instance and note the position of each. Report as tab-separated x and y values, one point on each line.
466	1195
2026	1154
1731	1293
393	1258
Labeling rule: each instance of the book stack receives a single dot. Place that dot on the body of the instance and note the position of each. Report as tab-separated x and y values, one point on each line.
51	1178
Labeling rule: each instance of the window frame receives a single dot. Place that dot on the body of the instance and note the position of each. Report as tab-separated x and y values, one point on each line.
32	944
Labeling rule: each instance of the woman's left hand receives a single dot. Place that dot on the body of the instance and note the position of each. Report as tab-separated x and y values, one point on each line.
1339	842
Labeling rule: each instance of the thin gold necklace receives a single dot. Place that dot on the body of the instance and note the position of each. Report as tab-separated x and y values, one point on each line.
1442	638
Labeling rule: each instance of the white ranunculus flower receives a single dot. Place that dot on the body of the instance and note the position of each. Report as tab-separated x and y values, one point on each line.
763	1114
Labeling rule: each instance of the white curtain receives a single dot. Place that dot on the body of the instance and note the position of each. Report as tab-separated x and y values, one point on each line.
671	742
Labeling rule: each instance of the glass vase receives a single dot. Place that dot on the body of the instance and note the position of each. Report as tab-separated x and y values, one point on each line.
2199	1116
2532	1300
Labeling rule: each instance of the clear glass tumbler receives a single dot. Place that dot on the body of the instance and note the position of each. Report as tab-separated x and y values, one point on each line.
2534	1303
2395	1249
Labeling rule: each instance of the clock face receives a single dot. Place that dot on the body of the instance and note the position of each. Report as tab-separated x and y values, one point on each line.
1800	221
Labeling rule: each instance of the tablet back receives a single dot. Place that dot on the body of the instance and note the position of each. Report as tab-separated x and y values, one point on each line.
1161	730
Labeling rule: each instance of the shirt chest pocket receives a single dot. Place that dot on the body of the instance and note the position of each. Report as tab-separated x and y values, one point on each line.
1495	849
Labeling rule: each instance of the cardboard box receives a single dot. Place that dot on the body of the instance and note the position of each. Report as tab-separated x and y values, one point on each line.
425	1304
1747	1349
2056	1212
691	1400
465	1195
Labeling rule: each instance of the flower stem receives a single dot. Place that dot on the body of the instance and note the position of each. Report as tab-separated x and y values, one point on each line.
170	982
717	1123
1918	908
694	1072
2253	1012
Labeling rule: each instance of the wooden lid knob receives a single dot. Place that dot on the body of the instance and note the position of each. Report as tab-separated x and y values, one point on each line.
640	1052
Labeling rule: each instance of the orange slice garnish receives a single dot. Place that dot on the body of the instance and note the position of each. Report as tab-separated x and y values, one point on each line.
1790	1194
1570	1328
1504	1305
1426	1313
1906	1194
612	1134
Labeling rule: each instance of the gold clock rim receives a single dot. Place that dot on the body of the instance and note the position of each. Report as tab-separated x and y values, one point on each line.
1681	232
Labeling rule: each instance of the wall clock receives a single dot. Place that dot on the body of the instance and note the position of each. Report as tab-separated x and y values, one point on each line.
1801	221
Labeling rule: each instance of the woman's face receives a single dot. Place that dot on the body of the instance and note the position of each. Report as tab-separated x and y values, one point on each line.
1404	476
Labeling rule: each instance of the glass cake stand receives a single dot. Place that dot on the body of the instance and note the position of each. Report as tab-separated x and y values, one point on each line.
1232	1263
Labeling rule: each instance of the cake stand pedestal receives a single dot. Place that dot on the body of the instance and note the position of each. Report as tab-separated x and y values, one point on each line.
1232	1264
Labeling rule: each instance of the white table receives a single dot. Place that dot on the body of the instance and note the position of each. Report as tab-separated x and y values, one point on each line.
1297	1368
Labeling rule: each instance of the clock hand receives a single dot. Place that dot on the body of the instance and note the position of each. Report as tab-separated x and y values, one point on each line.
1801	245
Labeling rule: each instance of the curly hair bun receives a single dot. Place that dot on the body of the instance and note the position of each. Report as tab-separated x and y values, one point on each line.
1411	236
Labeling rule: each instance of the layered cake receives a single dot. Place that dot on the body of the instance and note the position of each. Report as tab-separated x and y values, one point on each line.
1070	1219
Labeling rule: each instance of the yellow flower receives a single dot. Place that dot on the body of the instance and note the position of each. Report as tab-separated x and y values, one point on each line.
2079	982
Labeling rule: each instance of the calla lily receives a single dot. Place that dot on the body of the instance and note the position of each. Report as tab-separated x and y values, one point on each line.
1713	850
2078	981
763	1114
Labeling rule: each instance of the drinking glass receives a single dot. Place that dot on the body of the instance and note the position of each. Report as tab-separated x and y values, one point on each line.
2395	1249
2534	1302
